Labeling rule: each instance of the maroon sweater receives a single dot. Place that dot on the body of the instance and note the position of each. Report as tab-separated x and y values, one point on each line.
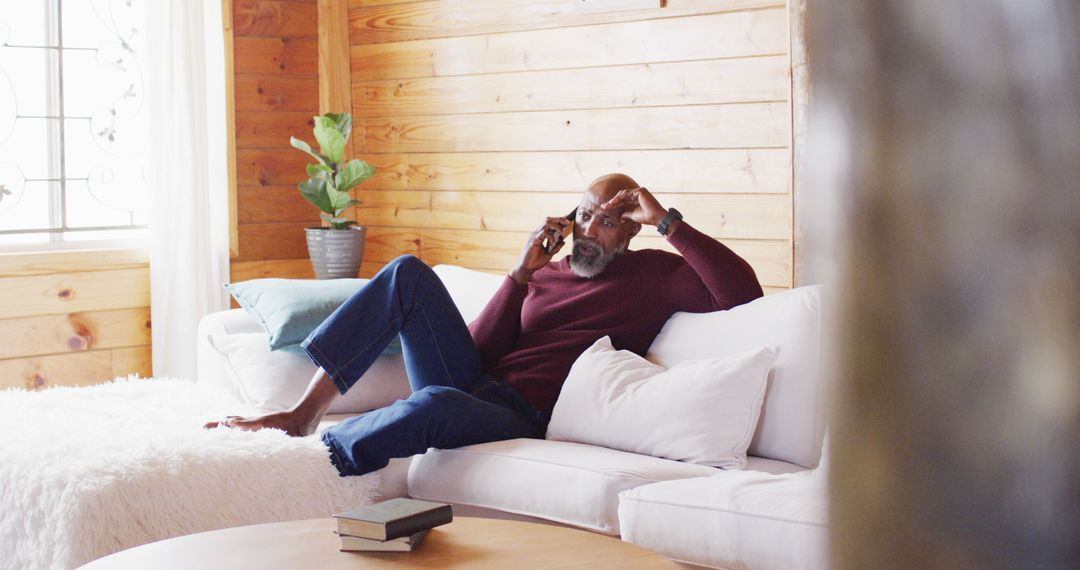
530	335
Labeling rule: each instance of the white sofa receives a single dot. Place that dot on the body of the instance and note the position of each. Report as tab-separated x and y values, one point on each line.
770	515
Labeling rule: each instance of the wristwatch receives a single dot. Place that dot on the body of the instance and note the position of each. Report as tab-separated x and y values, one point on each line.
672	215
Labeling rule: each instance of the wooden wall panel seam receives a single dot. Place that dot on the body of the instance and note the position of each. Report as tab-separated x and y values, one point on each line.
67	261
689	38
61	293
362	36
399	116
574	68
511	73
278	76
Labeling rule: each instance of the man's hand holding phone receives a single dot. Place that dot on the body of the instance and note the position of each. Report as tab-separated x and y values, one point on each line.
541	246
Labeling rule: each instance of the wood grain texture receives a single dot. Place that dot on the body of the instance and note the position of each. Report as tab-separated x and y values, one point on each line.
229	43
274	18
745	216
260	204
273	92
132	360
284	268
446	18
738	34
40	372
62	293
665	171
473	543
335	95
276	55
74	332
642	85
271	130
335	91
477	115
271	167
707	126
60	261
279	240
289	269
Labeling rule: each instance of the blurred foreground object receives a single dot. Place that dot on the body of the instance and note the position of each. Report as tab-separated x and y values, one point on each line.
950	134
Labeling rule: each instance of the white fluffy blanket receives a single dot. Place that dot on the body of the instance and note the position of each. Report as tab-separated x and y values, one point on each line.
85	472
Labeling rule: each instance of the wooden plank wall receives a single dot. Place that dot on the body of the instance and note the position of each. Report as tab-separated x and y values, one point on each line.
276	87
73	318
483	116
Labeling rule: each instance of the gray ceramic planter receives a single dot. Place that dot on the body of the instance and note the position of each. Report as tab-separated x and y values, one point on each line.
336	253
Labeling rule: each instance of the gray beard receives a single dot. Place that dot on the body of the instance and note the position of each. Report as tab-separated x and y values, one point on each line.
589	267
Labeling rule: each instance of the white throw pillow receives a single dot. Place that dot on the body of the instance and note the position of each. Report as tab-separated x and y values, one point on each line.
793	417
275	380
699	411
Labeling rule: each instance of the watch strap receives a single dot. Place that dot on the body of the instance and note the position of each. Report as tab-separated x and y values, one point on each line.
672	215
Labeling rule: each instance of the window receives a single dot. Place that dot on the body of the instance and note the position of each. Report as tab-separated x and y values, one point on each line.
73	121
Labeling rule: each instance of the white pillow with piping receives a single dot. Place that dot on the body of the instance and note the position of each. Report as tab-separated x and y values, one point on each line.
698	411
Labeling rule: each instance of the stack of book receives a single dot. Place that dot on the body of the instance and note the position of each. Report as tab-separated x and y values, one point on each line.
397	525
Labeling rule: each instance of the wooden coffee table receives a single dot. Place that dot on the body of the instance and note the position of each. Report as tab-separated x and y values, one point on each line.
465	543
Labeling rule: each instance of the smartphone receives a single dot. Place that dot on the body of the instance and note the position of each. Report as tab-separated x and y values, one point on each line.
548	245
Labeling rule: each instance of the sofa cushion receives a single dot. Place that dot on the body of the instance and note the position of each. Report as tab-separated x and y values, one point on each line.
792	423
570	483
276	380
737	519
289	309
699	411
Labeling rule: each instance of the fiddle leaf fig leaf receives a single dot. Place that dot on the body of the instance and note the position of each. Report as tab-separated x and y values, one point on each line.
331	141
354	172
330	180
338	223
314	190
339	200
301	145
342	122
317	170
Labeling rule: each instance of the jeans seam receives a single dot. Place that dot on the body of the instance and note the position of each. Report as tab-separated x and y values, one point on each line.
326	364
438	347
365	349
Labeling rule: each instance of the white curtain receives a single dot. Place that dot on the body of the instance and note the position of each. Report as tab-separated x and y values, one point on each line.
189	252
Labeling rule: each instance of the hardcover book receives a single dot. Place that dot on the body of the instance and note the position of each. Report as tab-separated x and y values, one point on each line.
393	519
403	544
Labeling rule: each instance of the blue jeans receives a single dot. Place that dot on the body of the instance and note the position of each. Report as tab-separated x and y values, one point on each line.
453	401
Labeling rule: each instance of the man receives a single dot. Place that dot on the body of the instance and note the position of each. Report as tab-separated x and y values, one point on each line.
499	377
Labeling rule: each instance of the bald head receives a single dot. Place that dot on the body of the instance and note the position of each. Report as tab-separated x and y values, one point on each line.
608	185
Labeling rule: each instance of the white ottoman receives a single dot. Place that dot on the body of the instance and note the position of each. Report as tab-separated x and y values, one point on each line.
88	471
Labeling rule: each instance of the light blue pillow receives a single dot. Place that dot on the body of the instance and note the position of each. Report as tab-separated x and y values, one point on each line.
289	309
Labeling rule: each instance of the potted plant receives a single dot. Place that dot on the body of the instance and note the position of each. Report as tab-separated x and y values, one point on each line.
335	251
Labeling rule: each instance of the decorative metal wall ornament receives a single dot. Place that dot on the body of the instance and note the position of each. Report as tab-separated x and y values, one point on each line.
113	176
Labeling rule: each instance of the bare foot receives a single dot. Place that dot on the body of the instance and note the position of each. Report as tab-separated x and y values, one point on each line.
290	422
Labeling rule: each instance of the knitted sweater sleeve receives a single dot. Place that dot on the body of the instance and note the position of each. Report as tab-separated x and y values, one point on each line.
714	277
496	330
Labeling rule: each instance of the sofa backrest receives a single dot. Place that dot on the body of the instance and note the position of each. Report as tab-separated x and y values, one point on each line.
793	417
470	289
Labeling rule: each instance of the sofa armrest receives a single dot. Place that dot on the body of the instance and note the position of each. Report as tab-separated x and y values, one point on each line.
276	380
211	367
